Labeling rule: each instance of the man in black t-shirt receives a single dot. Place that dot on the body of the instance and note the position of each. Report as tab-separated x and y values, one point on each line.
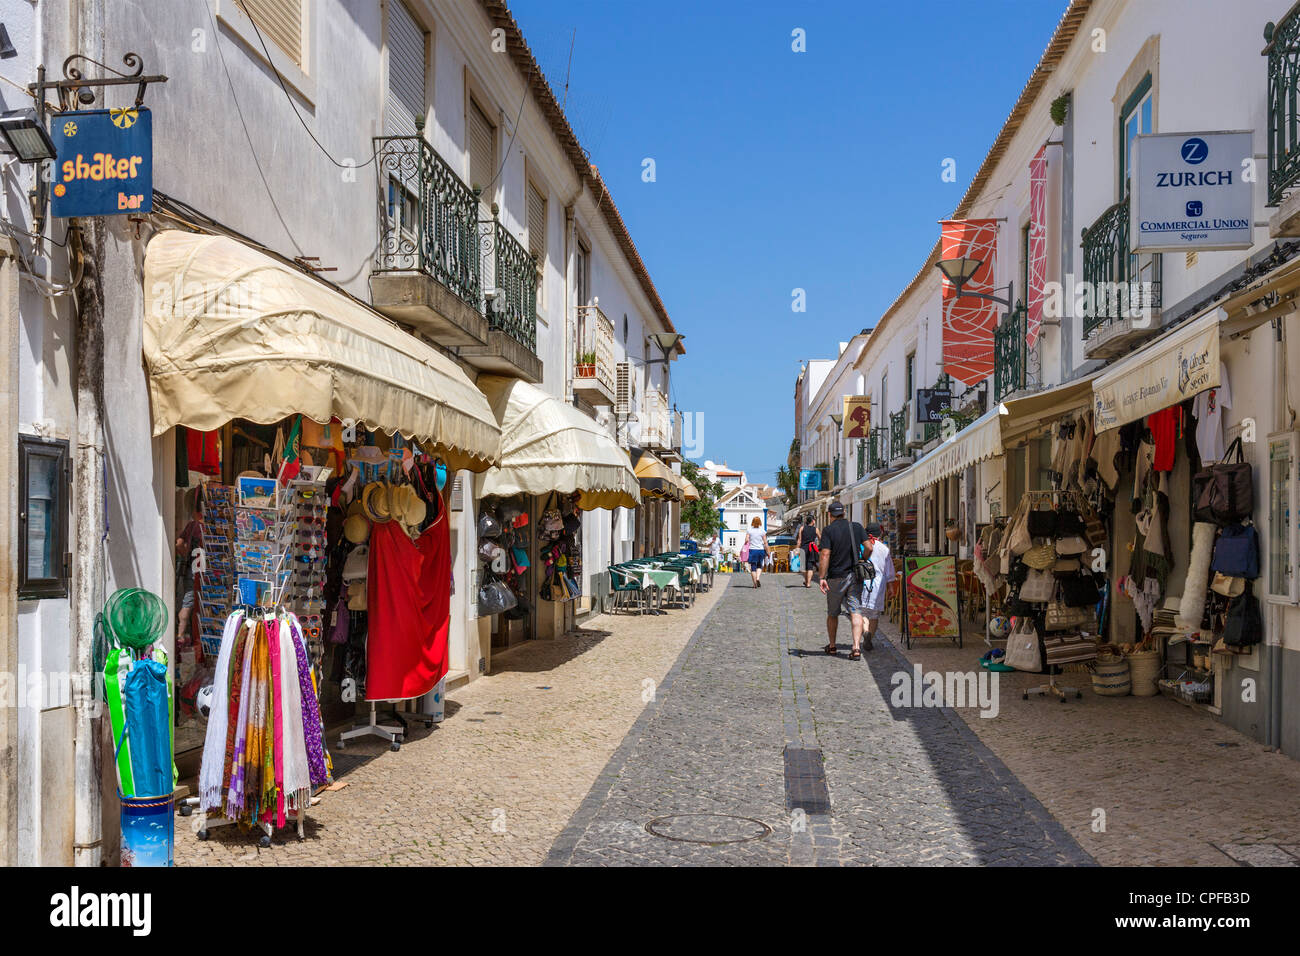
840	546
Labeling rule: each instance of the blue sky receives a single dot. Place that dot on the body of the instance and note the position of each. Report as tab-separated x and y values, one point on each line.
778	170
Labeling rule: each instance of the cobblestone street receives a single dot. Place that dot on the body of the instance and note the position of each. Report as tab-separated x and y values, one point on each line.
753	733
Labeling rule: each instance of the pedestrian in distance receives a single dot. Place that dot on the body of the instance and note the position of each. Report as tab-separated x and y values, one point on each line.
807	542
757	550
878	567
840	548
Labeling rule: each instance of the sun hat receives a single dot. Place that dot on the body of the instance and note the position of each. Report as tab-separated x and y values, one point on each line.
414	510
375	502
356	529
369	454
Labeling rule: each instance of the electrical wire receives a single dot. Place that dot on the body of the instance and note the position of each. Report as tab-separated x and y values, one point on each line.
260	39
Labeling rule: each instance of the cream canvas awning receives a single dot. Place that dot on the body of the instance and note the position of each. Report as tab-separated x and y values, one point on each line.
231	332
547	445
1175	367
862	490
657	479
1027	415
980	439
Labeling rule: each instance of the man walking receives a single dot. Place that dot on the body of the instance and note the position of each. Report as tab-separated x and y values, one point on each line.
881	572
839	556
807	542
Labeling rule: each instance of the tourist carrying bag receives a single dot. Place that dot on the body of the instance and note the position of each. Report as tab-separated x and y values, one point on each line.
1023	652
744	549
1236	552
1224	493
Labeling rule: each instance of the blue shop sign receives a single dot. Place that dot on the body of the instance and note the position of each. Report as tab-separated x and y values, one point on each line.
105	162
810	479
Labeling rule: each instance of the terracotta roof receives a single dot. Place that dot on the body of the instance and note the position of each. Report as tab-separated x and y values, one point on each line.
517	47
1066	30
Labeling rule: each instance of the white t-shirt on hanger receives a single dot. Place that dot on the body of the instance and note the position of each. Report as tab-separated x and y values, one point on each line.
1208	408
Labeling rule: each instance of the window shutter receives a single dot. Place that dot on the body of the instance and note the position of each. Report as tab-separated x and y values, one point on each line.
280	22
623	389
482	152
536	224
406	71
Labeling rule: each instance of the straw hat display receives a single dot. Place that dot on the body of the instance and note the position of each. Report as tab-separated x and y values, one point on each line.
356	528
375	502
411	505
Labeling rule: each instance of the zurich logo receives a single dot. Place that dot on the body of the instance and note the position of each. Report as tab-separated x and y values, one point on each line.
1195	151
1195	209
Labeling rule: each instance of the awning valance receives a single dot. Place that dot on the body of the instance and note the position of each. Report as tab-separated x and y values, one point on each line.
1177	366
980	439
863	489
231	332
657	479
689	491
1027	415
548	446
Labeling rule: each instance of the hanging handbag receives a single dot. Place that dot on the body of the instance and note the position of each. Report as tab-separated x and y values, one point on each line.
1060	616
1040	556
1066	567
1068	649
1227	586
1041	522
1017	573
1071	545
1094	529
1243	626
1069	524
1236	552
1023	652
1018	538
1038	587
1081	591
552	520
1224	493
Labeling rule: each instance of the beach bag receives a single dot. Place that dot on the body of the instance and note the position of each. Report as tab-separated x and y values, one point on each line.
1068	649
1038	587
1023	652
744	549
1243	626
1224	493
1236	552
796	560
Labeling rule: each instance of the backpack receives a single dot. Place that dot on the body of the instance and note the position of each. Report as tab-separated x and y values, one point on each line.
866	571
1243	626
1224	493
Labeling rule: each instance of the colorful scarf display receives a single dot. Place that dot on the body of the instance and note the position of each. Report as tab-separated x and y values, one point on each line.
265	748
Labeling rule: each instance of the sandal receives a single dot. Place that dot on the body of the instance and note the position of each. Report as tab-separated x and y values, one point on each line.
830	648
855	654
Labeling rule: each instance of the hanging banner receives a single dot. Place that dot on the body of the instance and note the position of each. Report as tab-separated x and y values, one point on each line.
968	322
1175	368
857	416
932	608
1034	295
104	164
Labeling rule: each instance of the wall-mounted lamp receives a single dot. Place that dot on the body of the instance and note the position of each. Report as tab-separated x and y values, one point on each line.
25	136
667	341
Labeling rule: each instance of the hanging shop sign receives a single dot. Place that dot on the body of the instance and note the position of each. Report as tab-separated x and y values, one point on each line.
857	416
810	479
931	403
1177	367
1190	191
104	164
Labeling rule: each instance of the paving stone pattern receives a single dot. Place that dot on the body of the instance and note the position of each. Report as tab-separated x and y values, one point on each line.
912	786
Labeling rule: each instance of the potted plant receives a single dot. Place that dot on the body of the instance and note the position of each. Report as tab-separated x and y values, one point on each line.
587	365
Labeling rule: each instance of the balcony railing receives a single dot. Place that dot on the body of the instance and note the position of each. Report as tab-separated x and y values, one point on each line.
898	434
1123	285
862	457
509	283
1283	52
432	217
878	448
1015	362
595	341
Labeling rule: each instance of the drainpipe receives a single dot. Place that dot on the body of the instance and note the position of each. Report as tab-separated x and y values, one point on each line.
570	344
1066	330
87	244
1273	640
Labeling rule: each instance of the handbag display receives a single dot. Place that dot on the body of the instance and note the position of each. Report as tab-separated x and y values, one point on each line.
1071	544
1227	586
1094	529
1224	493
1018	538
1040	556
1038	588
1081	591
1023	652
1041	522
1236	552
1243	626
1066	567
1068	649
1060	616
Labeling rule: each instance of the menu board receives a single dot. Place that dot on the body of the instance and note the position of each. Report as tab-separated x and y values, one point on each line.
932	608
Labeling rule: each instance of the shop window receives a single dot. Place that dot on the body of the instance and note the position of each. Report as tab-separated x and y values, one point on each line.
43	560
1283	518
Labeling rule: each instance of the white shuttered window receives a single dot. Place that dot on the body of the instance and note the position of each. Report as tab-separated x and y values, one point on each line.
482	153
279	22
406	71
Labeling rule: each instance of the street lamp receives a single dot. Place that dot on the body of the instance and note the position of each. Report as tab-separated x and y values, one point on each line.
667	341
960	271
26	137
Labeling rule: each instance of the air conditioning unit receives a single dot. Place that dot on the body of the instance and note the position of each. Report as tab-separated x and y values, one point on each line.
915	434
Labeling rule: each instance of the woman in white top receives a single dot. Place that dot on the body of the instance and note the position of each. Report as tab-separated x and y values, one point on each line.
757	551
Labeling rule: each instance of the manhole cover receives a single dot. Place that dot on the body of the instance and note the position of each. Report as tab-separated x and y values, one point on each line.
712	829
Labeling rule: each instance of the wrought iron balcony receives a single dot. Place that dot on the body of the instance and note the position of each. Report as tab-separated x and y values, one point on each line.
898	434
1015	361
1123	285
509	283
862	457
431	224
1283	52
836	482
878	448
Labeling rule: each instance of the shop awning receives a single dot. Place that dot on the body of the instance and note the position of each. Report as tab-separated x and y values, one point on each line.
864	489
231	332
547	445
980	439
1177	366
689	491
657	479
1032	412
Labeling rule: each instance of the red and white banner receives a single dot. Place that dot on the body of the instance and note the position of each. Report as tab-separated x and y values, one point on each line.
968	322
1035	294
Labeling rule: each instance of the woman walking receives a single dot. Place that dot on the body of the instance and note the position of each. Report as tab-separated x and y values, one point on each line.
757	551
807	541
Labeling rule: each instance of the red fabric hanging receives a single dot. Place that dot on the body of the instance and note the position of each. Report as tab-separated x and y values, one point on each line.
203	449
1165	426
402	656
435	545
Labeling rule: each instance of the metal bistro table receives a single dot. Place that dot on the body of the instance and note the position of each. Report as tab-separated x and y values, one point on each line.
657	578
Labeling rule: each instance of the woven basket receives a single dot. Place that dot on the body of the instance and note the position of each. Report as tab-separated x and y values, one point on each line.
1144	669
1111	677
